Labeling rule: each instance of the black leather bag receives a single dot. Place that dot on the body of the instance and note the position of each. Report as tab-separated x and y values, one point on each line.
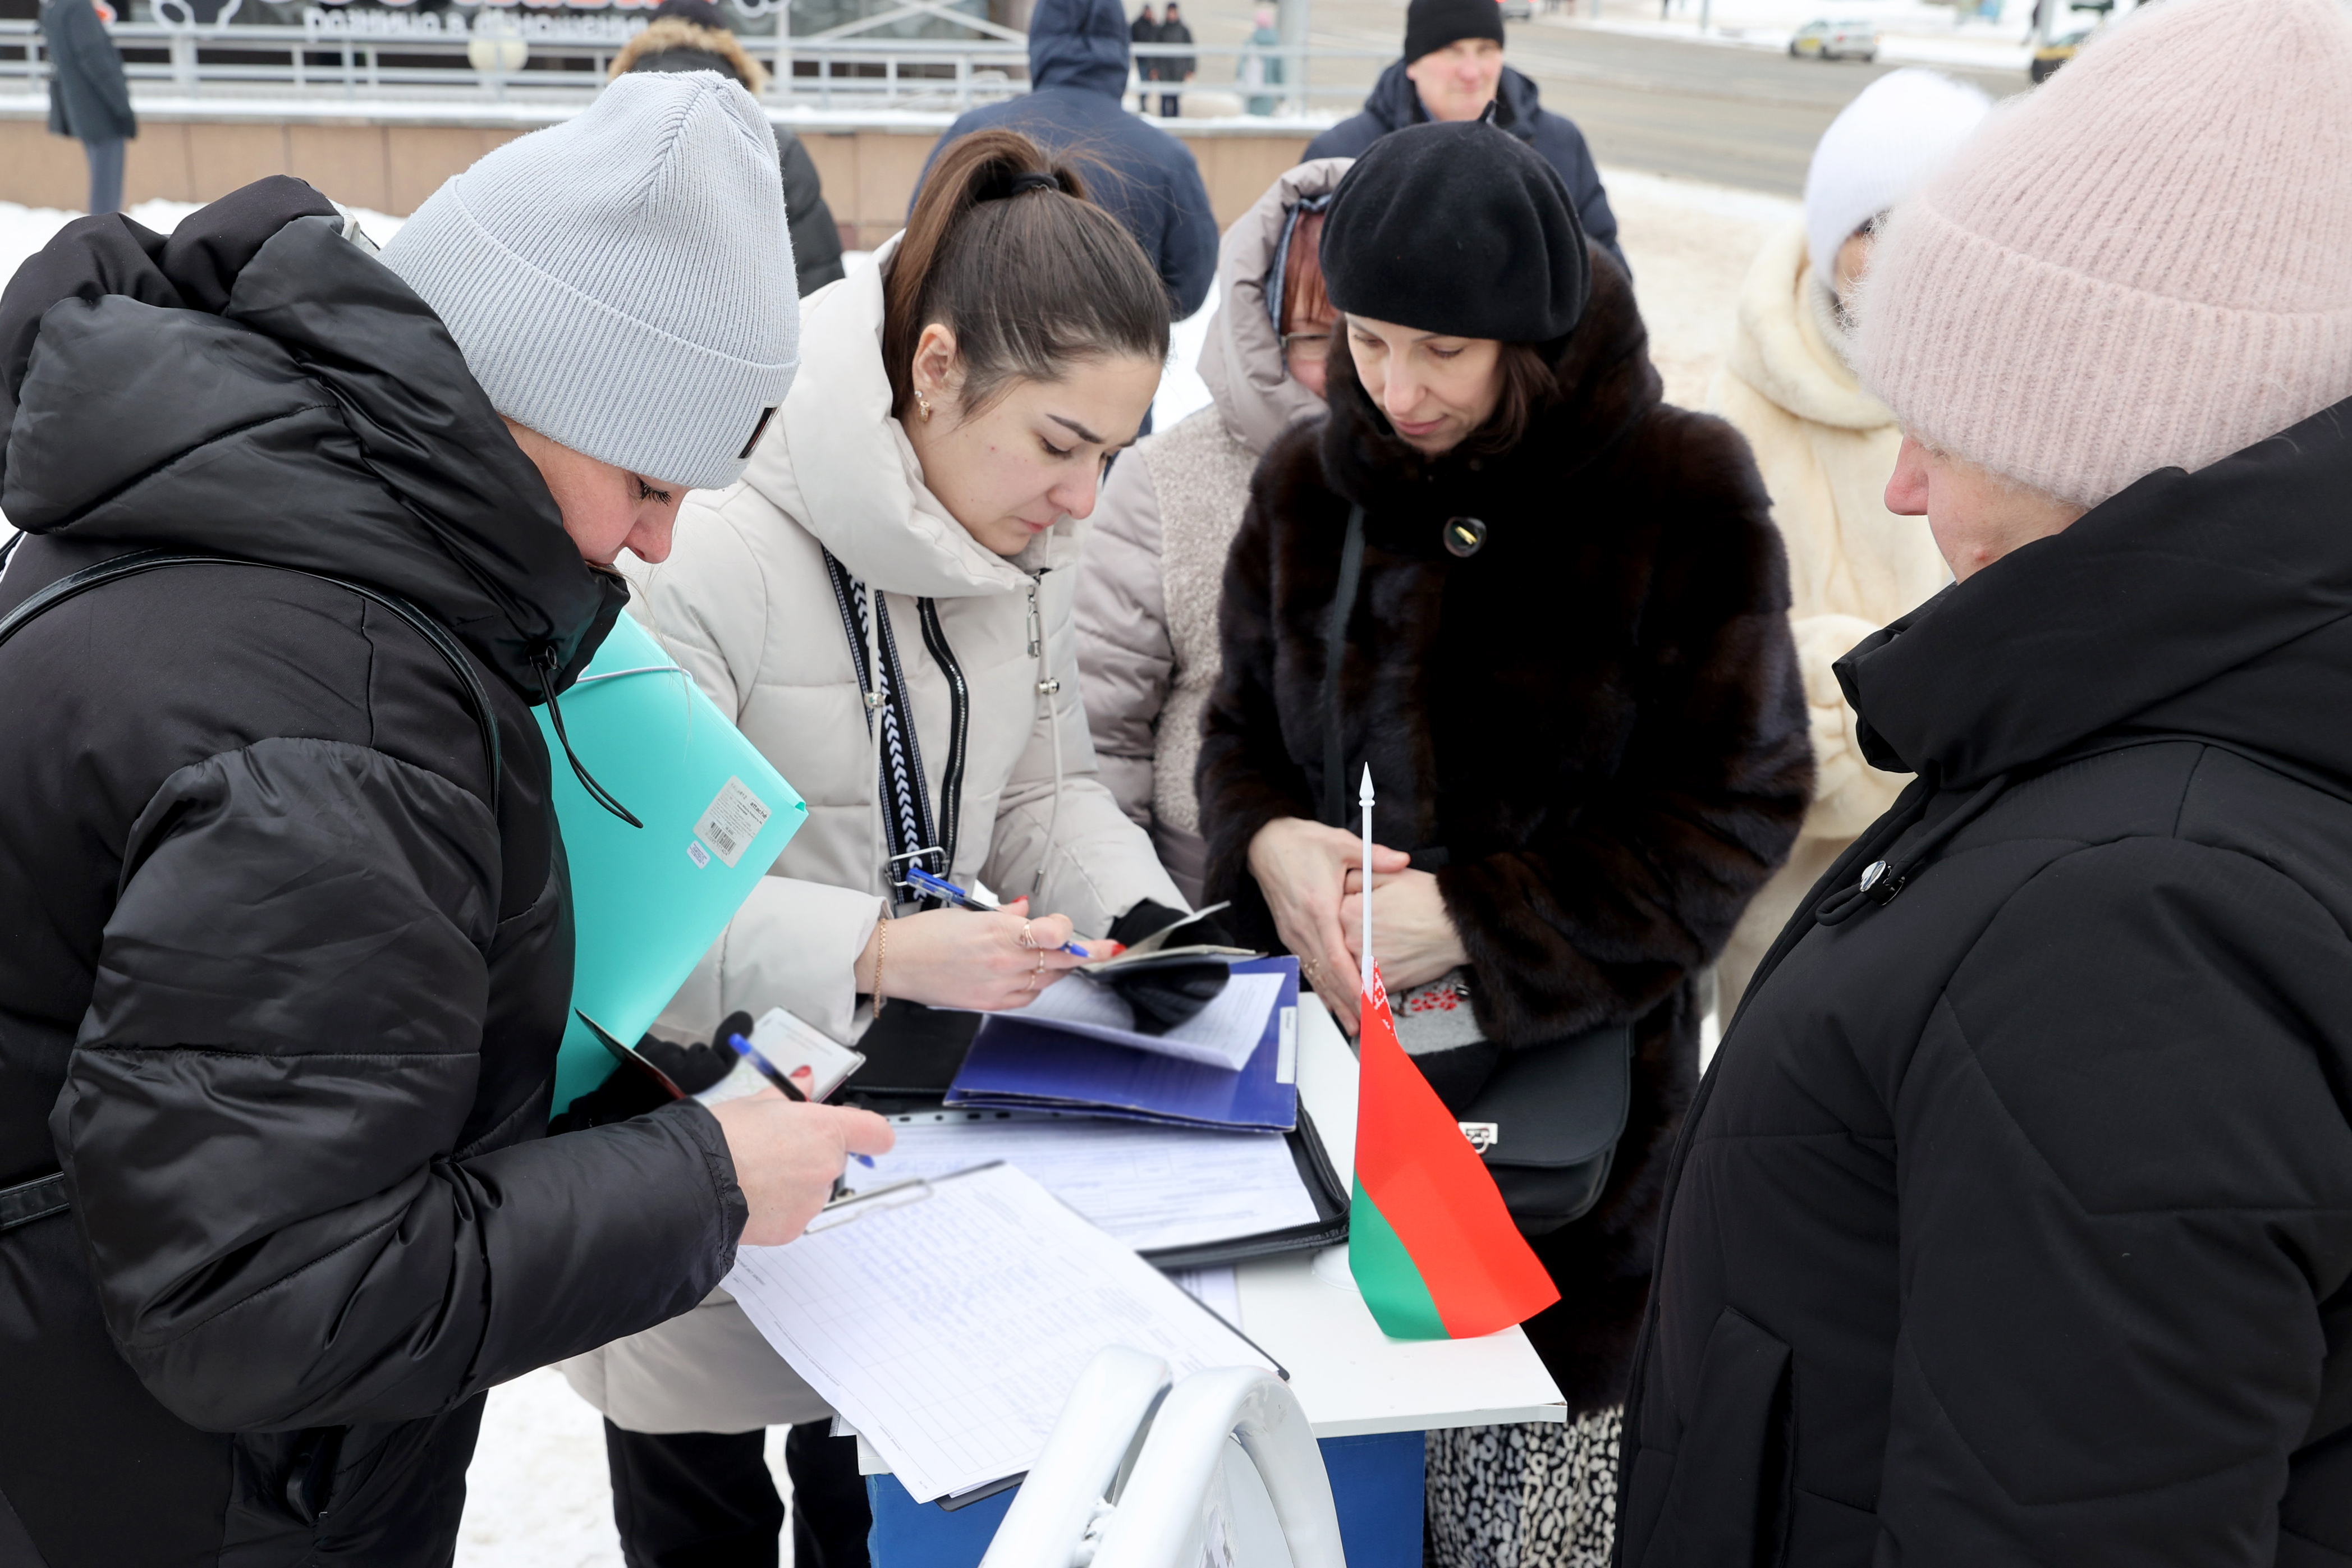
1548	1117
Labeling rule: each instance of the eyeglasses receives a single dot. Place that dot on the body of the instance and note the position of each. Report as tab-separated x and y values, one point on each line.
1308	348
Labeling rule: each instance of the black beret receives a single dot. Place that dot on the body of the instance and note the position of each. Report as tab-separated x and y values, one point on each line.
1431	24
1459	228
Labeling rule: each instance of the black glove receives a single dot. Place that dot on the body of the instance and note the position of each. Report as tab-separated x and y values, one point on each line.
1148	918
1164	994
632	1092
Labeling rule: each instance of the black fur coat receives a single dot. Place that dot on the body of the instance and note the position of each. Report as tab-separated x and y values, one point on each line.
1593	730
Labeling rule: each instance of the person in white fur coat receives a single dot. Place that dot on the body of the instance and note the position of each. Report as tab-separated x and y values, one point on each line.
1826	448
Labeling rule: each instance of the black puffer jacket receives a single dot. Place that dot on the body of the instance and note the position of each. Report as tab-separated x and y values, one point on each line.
2014	1223
278	990
1597	718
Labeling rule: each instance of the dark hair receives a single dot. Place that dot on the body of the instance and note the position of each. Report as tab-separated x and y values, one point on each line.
1005	252
1529	388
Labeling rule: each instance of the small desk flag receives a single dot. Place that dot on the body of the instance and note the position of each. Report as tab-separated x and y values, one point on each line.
1429	1240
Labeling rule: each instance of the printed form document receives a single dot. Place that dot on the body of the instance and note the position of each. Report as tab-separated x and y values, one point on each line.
1150	1187
948	1320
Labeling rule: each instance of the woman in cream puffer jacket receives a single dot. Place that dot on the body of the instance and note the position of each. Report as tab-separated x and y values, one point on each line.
748	604
1147	607
1826	448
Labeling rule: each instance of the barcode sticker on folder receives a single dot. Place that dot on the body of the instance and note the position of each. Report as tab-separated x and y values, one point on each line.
732	821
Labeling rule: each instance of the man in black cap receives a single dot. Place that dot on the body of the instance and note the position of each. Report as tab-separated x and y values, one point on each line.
1452	68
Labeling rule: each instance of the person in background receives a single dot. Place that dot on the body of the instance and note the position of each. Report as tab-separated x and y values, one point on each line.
1175	68
1145	178
1452	68
1826	447
908	526
1262	65
1567	663
1155	553
1144	29
89	98
693	35
289	927
2014	1224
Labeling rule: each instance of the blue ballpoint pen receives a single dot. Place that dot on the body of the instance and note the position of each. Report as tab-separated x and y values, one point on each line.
941	888
766	1069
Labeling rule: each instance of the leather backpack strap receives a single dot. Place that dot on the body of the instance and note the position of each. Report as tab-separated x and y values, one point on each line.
75	583
46	1196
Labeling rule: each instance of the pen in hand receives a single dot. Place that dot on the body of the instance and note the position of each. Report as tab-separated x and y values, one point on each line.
941	888
766	1069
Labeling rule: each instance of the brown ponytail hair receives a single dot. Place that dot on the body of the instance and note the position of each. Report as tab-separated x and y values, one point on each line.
1006	252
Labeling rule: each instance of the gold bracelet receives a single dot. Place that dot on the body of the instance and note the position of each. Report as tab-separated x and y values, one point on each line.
881	951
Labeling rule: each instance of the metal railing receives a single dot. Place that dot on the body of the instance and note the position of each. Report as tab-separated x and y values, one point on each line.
337	54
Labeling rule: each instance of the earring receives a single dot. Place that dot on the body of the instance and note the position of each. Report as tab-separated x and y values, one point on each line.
924	403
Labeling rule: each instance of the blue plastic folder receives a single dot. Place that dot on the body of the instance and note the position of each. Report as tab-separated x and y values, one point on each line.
649	901
1018	1064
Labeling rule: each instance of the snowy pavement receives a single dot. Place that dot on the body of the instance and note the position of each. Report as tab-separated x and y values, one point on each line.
1909	32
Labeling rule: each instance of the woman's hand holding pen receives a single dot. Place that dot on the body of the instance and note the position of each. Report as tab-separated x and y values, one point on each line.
1302	868
970	958
788	1155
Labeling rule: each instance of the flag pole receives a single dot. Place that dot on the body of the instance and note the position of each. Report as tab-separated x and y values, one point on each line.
1364	798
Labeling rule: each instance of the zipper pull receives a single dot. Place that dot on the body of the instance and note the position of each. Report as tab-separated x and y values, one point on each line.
546	661
1036	622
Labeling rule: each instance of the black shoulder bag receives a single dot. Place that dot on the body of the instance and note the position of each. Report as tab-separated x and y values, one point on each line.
1545	1118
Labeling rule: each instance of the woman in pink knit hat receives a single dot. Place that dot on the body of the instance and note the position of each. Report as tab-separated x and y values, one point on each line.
2014	1222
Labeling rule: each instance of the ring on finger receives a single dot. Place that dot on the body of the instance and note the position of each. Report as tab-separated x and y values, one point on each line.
1025	939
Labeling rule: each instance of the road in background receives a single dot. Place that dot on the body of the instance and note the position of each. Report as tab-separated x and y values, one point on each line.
1718	112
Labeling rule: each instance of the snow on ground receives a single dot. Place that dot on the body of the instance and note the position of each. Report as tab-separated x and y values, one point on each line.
1689	244
24	230
1910	32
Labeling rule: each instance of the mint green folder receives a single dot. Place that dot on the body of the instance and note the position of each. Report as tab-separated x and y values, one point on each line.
649	901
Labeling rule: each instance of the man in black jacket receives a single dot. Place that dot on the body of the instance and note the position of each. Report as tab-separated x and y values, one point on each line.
1452	68
288	931
2013	1223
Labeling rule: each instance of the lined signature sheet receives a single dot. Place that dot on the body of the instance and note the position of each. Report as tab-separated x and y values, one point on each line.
949	1320
1148	1186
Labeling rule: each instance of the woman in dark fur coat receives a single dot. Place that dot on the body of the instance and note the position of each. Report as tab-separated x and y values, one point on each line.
1569	665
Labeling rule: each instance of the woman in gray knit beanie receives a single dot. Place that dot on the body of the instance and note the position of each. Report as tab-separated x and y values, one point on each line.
621	286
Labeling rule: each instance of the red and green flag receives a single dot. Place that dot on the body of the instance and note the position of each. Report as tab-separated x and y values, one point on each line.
1431	1245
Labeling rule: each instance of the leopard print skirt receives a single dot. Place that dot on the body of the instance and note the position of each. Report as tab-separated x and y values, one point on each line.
1536	1496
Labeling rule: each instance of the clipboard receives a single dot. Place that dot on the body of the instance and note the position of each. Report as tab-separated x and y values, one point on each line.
1303	1143
647	902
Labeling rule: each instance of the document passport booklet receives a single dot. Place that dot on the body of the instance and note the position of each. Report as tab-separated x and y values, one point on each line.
948	1319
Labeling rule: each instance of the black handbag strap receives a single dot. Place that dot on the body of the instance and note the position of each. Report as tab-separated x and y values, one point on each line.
1335	652
75	583
46	1196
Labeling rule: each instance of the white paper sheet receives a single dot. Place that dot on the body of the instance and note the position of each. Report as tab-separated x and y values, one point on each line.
1148	1186
1221	1035
948	1322
1215	1289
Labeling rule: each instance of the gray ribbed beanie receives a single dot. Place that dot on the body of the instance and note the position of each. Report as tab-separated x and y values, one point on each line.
623	282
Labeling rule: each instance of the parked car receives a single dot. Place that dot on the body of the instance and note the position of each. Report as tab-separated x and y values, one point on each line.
2056	53
1518	10
1836	41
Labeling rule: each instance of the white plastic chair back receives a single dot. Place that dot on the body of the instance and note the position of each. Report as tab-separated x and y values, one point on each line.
1221	1472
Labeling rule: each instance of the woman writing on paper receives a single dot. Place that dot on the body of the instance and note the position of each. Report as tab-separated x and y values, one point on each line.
883	605
1566	659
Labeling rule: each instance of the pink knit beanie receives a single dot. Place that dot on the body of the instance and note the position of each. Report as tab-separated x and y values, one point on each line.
2145	263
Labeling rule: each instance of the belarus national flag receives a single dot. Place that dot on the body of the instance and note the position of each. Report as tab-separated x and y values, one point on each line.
1429	1241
